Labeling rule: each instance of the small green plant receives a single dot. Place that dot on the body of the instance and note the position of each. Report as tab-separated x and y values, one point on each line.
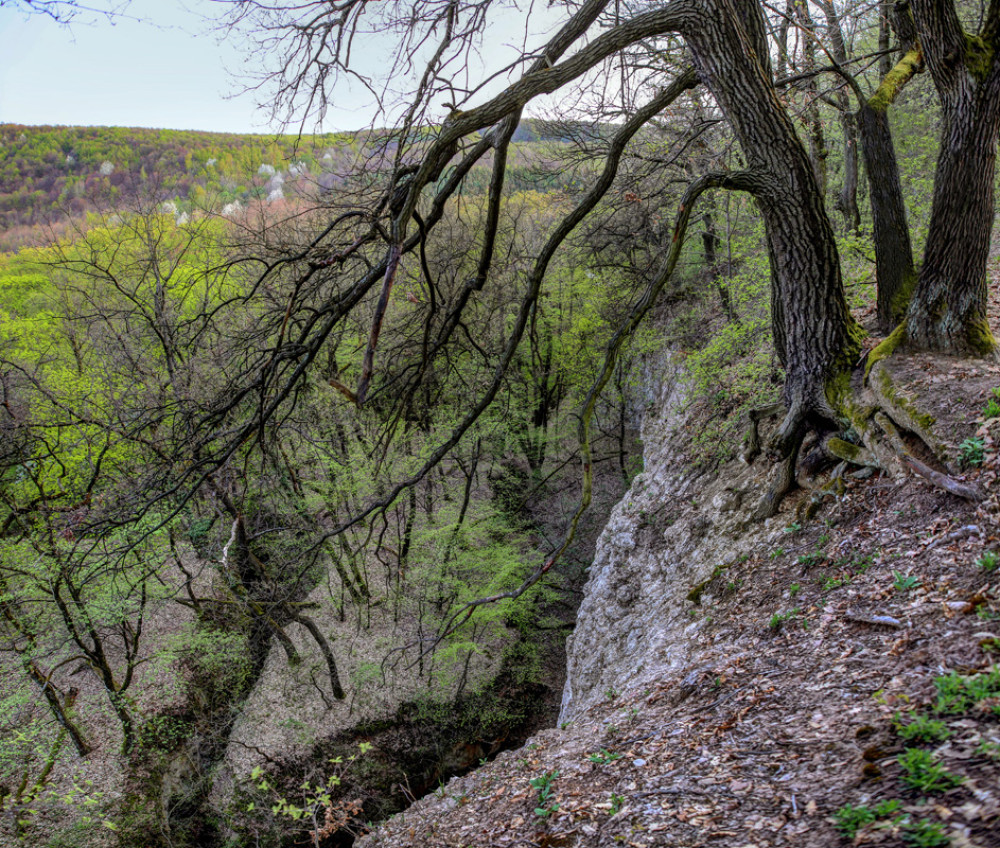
857	564
794	527
543	785
316	798
603	757
971	452
922	773
992	408
888	808
988	560
925	834
989	749
836	582
904	582
793	590
616	803
921	729
777	552
812	559
610	693
849	820
958	694
779	618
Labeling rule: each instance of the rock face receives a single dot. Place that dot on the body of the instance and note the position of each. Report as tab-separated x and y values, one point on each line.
673	531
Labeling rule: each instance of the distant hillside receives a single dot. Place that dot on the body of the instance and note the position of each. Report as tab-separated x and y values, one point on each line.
49	173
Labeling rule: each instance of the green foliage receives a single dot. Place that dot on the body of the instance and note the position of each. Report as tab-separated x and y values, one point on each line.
989	749
925	834
922	773
779	619
603	757
811	560
920	729
988	561
959	694
836	582
971	452
992	408
904	582
317	802
729	358
65	170
850	819
163	732
546	806
217	663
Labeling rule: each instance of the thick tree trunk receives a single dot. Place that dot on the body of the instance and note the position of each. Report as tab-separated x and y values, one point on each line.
948	309
820	336
893	252
894	269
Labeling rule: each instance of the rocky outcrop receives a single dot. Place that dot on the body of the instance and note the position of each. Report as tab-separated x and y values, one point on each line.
674	531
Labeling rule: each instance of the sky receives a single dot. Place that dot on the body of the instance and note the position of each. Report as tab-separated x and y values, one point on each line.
157	66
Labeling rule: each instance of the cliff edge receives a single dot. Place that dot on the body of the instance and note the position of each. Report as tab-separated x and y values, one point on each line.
807	681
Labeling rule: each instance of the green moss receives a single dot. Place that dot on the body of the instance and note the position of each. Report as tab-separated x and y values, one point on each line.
902	73
925	421
842	397
980	338
979	55
838	389
844	450
901	299
886	348
695	594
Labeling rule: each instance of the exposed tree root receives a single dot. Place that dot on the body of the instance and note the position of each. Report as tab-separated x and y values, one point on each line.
752	448
785	483
942	481
871	413
850	453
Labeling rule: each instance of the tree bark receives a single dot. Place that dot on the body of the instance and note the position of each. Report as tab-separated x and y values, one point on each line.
818	151
820	337
894	269
847	197
948	309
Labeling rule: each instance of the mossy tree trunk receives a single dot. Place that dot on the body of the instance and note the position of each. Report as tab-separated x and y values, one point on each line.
894	269
948	310
820	338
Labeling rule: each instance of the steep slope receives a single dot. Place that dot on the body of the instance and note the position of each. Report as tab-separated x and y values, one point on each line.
787	683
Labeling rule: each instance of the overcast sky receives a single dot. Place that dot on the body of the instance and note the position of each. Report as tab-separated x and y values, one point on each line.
163	70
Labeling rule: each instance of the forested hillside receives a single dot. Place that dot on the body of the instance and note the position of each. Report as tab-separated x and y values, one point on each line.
49	174
308	442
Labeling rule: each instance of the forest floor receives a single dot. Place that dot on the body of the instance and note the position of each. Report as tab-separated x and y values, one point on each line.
846	690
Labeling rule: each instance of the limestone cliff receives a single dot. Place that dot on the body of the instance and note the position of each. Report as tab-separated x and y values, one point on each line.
673	530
